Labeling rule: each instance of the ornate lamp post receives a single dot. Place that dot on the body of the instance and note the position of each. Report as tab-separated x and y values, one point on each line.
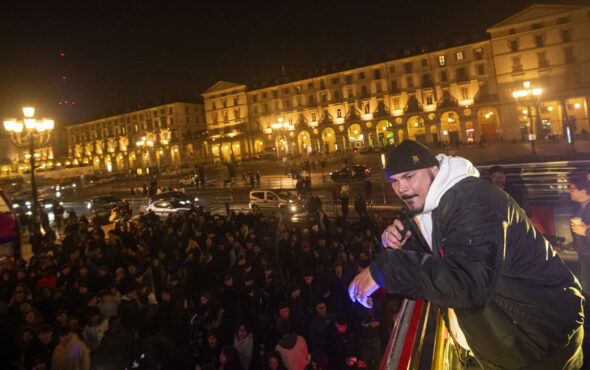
529	97
31	133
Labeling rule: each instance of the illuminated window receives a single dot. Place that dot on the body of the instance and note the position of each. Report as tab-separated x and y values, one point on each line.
478	53
396	103
459	55
429	100
441	60
339	113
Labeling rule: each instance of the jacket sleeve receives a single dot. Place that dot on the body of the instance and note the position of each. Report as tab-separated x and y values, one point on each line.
462	274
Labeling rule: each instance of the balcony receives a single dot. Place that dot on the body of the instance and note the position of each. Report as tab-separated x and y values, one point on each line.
413	105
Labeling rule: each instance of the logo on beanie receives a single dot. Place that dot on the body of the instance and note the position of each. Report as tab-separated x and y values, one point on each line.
415	159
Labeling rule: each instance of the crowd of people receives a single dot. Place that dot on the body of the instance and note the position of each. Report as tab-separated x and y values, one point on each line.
237	291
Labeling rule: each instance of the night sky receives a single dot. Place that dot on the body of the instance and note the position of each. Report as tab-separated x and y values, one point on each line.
120	54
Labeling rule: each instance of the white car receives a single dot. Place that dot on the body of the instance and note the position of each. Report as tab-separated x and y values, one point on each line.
272	200
165	207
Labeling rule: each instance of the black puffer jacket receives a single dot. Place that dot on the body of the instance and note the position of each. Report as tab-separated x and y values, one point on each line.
515	300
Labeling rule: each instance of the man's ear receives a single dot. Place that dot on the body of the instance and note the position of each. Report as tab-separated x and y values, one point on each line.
434	170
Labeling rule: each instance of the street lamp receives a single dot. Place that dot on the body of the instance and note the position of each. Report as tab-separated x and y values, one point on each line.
528	97
30	133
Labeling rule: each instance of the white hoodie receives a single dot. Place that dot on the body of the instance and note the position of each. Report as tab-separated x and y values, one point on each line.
451	171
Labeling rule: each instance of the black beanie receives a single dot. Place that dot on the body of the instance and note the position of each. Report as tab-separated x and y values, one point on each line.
409	156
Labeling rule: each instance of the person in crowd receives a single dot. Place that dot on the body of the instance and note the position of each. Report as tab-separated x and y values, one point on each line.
579	190
71	353
497	175
274	361
472	250
292	347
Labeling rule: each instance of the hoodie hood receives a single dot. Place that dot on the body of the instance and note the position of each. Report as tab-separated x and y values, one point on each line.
451	171
288	342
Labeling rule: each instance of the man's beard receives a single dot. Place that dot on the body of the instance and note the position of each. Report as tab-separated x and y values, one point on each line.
409	205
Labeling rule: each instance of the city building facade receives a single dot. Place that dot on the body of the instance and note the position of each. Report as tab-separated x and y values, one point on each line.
461	94
142	141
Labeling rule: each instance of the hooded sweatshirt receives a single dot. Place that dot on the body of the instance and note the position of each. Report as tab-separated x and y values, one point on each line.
451	171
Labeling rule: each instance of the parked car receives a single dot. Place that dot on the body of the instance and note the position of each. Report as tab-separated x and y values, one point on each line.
359	172
271	200
173	195
165	207
102	205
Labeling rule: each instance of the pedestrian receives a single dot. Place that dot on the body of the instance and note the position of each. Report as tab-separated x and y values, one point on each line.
257	178
368	190
509	299
344	198
360	206
579	190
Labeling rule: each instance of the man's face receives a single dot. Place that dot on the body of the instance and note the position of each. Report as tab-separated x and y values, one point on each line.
284	312
499	179
321	309
412	187
65	339
576	194
308	279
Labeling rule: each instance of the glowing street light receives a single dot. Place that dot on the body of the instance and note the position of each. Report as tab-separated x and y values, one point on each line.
30	133
529	96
